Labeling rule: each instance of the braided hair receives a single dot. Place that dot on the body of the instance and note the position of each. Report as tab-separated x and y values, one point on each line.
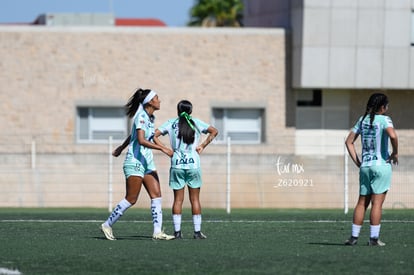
135	100
375	102
186	127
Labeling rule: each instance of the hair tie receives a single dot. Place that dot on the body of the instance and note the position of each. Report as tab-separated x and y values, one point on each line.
188	118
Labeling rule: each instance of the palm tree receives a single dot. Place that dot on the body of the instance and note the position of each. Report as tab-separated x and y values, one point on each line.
217	13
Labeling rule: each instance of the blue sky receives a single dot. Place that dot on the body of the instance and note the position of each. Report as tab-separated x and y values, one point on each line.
174	13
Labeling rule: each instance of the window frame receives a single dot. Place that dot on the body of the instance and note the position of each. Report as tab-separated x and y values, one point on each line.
412	27
224	132
90	139
316	113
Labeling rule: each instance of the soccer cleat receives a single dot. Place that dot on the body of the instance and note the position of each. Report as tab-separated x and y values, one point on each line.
178	235
162	236
199	235
107	230
351	241
375	242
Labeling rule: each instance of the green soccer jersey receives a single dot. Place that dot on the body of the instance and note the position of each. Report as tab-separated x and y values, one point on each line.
185	155
374	139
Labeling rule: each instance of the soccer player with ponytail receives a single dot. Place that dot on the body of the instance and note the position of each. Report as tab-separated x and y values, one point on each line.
184	132
376	130
139	167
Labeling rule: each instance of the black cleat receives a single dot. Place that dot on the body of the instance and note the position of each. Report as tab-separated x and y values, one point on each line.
351	241
375	242
178	235
199	235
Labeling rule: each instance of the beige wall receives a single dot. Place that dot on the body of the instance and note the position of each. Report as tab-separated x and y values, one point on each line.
46	72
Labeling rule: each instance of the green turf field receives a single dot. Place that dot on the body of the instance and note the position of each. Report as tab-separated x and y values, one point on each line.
253	241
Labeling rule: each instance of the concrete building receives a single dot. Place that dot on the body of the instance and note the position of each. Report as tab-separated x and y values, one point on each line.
339	51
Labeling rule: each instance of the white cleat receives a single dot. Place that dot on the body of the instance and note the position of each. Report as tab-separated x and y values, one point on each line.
107	230
162	236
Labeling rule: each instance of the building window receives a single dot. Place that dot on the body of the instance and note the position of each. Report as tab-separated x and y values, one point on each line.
309	98
97	124
242	125
318	109
412	28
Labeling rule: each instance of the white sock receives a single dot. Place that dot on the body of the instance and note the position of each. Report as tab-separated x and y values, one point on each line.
375	231
156	212
177	222
356	229
118	212
197	222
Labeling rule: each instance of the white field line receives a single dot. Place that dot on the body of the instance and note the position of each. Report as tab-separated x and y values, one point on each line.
204	221
6	271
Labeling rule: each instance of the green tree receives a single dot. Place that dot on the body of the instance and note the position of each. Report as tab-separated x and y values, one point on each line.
217	13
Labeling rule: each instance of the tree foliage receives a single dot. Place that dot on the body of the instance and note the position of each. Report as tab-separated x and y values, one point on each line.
217	13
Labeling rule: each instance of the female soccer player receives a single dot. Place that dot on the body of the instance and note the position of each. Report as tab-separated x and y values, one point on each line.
139	167
376	130
184	132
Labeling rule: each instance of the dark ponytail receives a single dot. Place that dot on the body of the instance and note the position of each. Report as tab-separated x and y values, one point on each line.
186	126
375	102
134	101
